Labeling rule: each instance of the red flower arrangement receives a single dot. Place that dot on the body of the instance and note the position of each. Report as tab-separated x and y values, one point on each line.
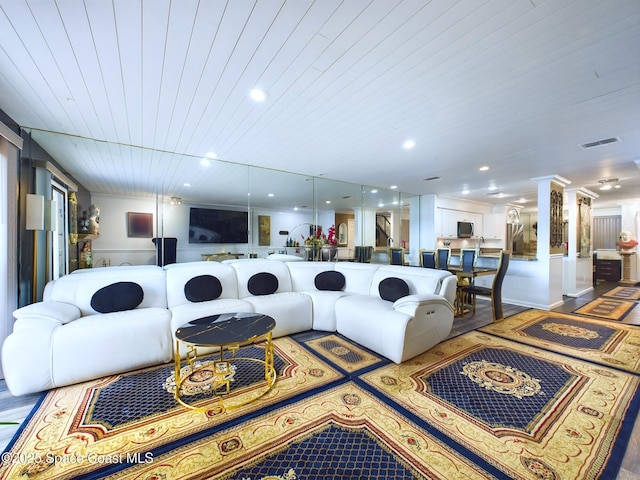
331	236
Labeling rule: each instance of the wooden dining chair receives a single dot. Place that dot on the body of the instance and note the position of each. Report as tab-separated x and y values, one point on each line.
468	258
428	258
442	258
363	254
495	291
396	256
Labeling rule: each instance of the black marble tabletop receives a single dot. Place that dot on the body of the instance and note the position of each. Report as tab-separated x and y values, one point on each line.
225	329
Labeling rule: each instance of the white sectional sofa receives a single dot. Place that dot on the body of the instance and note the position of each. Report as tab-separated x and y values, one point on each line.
105	321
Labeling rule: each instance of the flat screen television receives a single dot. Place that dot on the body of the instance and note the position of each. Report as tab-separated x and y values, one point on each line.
465	229
208	225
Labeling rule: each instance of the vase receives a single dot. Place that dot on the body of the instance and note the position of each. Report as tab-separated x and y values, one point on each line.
329	253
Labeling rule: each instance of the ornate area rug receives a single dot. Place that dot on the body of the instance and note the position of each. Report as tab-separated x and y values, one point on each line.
613	344
342	433
528	412
474	407
624	293
343	353
607	308
120	419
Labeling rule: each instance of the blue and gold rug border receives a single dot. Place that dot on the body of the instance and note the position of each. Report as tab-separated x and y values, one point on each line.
616	313
359	379
60	409
340	403
624	293
607	457
345	355
621	352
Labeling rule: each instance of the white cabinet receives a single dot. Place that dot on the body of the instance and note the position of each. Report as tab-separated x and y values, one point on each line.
494	226
449	222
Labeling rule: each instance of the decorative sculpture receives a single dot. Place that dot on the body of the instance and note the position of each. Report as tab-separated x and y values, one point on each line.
626	242
94	219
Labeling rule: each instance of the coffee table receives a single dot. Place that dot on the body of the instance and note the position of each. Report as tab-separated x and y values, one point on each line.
228	332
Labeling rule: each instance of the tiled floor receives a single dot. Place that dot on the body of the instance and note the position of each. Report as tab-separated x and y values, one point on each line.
17	408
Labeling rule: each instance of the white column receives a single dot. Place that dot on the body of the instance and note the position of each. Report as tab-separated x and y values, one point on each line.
365	223
548	278
577	268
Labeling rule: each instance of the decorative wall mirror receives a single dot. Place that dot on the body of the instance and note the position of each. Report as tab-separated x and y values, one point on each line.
342	234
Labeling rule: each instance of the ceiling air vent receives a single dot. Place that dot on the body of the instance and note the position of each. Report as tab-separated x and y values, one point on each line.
606	141
429	179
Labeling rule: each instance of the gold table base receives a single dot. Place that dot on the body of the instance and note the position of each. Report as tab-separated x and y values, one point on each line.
222	368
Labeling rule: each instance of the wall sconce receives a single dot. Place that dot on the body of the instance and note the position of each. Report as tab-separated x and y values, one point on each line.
41	214
35	212
176	201
609	183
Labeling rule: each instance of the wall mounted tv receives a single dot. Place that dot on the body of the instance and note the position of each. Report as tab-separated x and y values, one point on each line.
207	225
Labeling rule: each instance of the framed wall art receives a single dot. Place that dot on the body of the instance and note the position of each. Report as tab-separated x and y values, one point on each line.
264	230
139	225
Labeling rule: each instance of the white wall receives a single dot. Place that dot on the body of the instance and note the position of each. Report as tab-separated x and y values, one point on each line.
114	247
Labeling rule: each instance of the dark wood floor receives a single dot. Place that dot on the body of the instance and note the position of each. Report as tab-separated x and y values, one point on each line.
17	408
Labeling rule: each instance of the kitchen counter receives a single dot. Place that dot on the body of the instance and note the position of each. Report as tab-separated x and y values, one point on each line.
495	253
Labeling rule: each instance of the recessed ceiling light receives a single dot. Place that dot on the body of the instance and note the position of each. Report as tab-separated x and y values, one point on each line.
258	95
327	201
465	192
186	184
522	200
409	144
393	187
493	187
483	168
380	205
211	155
374	191
270	195
205	162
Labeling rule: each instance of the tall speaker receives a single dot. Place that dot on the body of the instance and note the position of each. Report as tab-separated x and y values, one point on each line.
165	250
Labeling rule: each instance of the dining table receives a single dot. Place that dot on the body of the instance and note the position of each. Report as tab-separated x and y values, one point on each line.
467	275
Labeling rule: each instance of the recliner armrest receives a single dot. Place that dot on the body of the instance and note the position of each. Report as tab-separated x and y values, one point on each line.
58	311
412	302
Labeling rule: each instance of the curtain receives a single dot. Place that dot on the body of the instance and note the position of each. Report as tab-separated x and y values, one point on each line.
8	236
606	231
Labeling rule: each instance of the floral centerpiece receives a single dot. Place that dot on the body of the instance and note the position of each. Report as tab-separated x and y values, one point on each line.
321	246
331	236
316	239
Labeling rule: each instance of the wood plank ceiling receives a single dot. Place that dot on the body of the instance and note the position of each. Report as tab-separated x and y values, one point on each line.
129	95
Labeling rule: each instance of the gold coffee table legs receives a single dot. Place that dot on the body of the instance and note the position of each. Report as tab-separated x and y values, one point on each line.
212	376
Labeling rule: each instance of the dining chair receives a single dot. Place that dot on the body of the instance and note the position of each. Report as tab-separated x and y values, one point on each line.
396	256
495	291
468	258
428	258
362	254
442	258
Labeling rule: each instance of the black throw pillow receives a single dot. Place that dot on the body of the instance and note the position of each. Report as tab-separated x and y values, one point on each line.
117	297
331	281
263	283
202	288
392	288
